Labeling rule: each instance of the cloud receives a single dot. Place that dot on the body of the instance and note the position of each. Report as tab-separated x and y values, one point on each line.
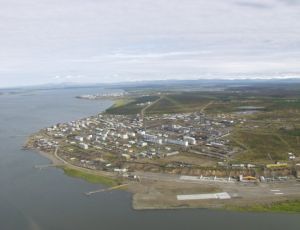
112	40
254	4
68	77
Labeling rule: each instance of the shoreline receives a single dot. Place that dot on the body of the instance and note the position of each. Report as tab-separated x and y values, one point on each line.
159	191
59	163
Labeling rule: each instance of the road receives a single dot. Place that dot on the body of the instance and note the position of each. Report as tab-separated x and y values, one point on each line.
248	191
205	106
147	107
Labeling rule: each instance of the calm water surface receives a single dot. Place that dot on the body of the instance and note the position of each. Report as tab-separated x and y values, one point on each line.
49	200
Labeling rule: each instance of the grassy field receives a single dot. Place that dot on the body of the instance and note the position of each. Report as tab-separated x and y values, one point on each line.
180	103
92	178
268	136
129	106
228	101
222	102
292	206
261	146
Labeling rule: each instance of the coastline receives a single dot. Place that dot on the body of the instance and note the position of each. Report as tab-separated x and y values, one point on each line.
158	195
71	170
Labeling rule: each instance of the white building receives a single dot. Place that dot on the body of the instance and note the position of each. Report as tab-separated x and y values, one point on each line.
152	138
89	137
143	144
190	140
78	138
83	146
177	142
120	170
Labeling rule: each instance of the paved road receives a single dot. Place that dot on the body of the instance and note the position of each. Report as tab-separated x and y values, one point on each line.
147	107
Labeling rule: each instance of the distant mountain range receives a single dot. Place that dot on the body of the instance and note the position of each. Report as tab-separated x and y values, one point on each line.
157	83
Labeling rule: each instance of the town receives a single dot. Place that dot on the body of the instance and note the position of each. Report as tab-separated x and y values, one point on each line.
102	95
174	143
131	137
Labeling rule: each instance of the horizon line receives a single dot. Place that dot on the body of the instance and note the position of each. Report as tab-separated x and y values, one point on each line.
86	84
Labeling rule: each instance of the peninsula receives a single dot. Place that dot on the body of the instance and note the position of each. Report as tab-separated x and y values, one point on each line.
235	148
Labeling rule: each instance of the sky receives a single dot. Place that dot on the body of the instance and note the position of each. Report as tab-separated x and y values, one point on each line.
89	41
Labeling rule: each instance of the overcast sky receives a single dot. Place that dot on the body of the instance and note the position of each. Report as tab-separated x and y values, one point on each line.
44	41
